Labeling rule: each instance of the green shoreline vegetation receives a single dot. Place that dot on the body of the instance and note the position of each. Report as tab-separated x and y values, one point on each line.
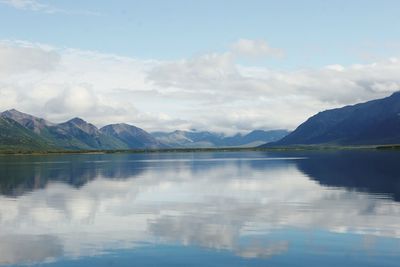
186	150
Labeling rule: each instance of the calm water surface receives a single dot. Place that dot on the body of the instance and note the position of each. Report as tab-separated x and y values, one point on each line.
201	209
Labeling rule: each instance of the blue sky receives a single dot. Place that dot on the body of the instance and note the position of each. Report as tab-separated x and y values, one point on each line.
313	33
198	57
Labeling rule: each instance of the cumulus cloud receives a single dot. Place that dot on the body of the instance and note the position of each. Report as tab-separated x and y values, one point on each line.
22	57
79	99
196	73
253	97
206	92
255	49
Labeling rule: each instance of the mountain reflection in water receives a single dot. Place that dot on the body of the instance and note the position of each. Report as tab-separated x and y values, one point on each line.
252	205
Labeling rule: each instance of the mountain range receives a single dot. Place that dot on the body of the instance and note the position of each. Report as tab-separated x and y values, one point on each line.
75	134
375	122
371	123
201	139
21	131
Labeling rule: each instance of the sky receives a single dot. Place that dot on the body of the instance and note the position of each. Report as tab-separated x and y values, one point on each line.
223	66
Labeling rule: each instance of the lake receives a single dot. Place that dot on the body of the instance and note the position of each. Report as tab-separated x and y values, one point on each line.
333	208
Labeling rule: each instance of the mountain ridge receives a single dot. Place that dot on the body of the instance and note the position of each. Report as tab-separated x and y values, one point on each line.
202	139
369	123
78	134
129	134
74	134
14	136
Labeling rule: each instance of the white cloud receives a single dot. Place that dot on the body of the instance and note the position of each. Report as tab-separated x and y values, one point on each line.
34	5
19	57
208	92
80	99
255	49
198	73
29	5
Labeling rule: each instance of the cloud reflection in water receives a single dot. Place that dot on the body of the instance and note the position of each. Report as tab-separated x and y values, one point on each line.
125	201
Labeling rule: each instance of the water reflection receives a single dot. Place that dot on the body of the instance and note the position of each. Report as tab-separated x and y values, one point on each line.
85	205
369	171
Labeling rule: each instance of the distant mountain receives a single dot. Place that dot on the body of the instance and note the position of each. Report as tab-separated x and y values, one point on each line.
255	138
193	139
33	132
21	131
369	123
185	139
14	136
86	135
173	139
33	123
130	135
46	130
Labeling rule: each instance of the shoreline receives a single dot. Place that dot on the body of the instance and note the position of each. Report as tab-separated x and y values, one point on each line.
191	150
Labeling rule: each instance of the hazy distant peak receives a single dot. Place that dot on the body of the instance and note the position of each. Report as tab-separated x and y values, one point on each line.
178	132
181	138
